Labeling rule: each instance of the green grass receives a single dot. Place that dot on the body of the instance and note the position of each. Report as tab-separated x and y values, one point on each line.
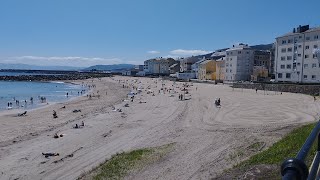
124	163
119	165
273	157
285	148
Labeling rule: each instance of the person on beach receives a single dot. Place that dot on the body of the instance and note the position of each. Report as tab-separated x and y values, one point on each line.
256	90
50	154
67	94
54	114
314	98
82	124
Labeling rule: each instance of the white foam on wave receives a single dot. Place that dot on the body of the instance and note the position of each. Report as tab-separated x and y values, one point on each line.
57	82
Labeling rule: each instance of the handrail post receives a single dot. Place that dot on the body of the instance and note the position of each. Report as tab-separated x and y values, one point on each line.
295	168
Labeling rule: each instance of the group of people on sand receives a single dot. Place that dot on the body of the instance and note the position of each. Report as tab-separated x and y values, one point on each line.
181	97
79	126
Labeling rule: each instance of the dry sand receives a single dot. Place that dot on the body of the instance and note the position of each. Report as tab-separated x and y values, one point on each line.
207	139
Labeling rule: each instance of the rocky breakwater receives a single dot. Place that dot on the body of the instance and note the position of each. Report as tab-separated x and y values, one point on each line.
54	77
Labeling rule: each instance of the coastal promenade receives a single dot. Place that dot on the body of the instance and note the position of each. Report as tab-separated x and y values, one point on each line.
207	139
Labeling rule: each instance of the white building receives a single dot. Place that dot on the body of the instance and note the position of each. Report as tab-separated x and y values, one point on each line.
186	63
158	66
239	63
195	67
294	57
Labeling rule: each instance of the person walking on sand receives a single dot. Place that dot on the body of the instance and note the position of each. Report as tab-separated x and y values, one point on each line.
314	98
256	90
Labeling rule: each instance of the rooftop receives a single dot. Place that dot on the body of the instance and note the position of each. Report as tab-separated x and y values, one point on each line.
297	33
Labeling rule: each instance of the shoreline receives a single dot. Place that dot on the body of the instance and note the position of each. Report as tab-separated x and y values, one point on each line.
48	103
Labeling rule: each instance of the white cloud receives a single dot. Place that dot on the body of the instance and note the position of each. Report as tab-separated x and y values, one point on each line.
153	52
171	56
184	52
65	61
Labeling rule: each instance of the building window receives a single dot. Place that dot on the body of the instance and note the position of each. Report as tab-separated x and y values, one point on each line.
280	75
305	66
300	37
315	56
299	46
283	58
284	41
282	66
227	54
299	55
226	70
288	75
305	76
307	38
313	77
307	47
315	46
283	50
230	59
288	66
231	70
314	65
248	52
289	57
289	41
239	52
316	37
289	49
298	64
306	56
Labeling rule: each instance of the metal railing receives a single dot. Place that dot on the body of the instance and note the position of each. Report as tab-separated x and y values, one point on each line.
296	168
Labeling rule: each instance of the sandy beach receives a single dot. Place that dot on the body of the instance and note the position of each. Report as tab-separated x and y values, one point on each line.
205	136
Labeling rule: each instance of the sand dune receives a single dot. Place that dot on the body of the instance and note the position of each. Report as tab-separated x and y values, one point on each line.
205	136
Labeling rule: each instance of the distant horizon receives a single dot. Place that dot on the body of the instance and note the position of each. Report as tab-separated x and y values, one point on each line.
83	33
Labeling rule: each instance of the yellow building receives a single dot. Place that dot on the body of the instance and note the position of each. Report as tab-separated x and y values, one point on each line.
207	70
220	69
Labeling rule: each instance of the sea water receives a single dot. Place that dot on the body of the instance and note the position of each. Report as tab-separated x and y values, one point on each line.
23	91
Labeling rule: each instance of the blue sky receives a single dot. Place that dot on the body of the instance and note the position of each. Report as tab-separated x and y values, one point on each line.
87	32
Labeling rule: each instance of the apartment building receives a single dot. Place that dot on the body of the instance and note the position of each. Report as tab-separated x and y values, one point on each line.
261	65
186	63
158	66
220	65
295	60
239	63
207	70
